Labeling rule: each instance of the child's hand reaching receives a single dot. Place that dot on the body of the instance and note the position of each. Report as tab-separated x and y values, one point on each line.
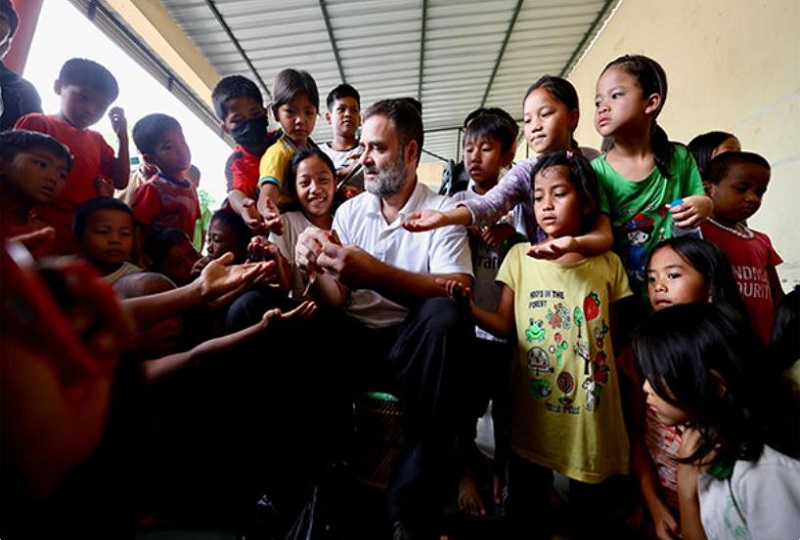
303	311
217	279
118	122
272	217
554	248
495	235
457	292
689	212
425	220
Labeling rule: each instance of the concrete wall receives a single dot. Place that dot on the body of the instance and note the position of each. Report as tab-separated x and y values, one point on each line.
731	65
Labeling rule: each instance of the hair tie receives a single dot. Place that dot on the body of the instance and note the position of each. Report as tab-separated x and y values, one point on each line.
569	154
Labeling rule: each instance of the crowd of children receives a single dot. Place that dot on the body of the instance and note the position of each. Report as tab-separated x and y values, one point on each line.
620	320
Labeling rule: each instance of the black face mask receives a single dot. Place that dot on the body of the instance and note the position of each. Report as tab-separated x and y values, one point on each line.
251	133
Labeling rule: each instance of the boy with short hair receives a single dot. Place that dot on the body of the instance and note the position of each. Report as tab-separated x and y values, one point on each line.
168	199
86	89
344	116
33	169
736	184
489	142
240	107
103	227
172	253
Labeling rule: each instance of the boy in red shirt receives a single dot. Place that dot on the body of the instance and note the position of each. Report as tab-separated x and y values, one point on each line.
240	108
87	89
168	200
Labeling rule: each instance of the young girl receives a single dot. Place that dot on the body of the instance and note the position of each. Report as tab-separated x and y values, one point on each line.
707	146
566	413
681	270
295	105
649	183
312	181
550	114
703	370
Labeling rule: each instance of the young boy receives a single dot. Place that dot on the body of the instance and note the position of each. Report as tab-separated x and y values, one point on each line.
168	200
736	184
344	116
171	253
86	89
103	227
33	169
295	103
489	143
240	108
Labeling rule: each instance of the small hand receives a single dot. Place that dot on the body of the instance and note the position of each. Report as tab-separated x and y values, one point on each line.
118	121
496	234
689	212
425	220
217	279
554	248
303	311
272	217
252	218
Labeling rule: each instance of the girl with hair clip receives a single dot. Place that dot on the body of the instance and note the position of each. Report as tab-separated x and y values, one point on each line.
566	412
650	183
682	270
550	116
738	474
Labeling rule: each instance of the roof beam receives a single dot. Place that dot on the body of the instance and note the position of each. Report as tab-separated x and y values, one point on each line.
511	24
157	28
601	15
335	48
422	49
221	20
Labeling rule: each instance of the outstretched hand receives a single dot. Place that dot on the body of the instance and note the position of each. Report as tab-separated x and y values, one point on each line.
554	248
303	311
425	220
217	278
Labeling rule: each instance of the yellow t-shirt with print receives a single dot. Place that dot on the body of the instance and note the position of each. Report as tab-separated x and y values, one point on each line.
566	411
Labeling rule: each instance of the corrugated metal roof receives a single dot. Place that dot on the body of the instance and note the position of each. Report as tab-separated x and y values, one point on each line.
454	56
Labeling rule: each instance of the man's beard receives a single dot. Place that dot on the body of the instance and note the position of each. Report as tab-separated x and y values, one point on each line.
389	181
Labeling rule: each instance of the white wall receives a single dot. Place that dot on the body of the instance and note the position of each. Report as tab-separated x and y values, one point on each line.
732	65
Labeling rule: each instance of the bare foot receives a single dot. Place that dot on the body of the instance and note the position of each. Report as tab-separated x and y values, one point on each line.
469	500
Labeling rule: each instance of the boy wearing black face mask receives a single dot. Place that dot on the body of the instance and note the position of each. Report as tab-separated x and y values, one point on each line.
240	107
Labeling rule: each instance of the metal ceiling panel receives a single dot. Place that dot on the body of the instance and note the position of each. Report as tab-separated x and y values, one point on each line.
454	56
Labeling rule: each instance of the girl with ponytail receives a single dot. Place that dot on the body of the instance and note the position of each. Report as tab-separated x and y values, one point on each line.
651	185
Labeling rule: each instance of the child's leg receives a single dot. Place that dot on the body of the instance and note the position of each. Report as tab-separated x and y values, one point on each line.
528	506
501	414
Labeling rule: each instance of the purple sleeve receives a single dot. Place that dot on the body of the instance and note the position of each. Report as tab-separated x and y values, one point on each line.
512	189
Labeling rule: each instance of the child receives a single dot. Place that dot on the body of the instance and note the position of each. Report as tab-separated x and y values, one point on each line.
168	200
344	116
649	183
312	181
33	169
682	270
550	113
240	108
227	231
736	183
489	143
565	403
707	146
103	227
19	97
86	90
171	252
703	368
295	104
